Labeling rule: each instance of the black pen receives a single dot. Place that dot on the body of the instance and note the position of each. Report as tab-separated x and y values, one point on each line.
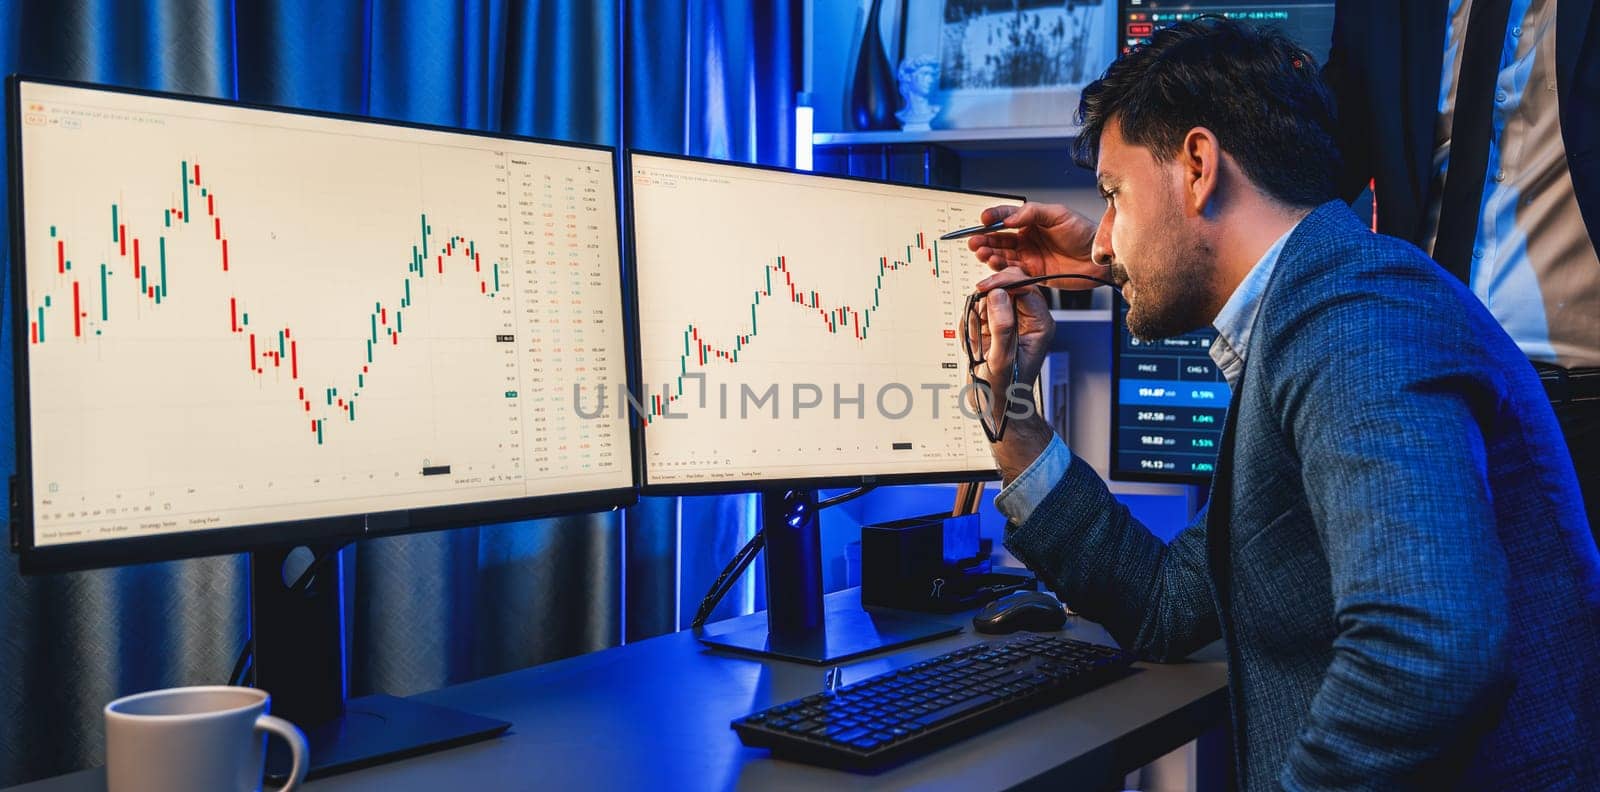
974	231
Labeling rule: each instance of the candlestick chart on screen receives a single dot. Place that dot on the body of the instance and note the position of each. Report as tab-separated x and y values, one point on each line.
790	320
228	310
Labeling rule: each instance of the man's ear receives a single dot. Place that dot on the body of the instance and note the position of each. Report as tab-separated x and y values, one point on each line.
1200	158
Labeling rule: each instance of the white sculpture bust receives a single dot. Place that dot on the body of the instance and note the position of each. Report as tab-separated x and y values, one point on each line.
917	77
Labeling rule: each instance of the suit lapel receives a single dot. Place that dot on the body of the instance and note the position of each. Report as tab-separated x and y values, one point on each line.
1329	219
1572	23
1219	543
1219	512
1422	59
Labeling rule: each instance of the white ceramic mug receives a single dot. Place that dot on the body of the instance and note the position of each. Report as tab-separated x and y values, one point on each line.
195	739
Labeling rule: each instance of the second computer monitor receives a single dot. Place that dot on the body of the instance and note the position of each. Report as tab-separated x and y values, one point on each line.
1168	398
1168	402
800	328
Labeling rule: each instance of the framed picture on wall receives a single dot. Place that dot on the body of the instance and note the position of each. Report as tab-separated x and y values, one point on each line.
1008	63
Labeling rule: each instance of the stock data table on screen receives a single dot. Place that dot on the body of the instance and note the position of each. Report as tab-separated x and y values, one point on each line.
1308	22
800	326
237	316
1170	402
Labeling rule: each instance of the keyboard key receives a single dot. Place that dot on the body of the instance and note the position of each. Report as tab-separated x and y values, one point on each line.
957	710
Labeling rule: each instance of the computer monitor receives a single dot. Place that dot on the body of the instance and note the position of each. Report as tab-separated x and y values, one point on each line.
1167	397
1308	22
244	328
799	331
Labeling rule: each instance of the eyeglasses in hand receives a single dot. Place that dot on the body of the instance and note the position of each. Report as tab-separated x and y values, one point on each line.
974	341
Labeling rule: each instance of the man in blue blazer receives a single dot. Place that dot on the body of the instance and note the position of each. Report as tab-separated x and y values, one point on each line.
1394	552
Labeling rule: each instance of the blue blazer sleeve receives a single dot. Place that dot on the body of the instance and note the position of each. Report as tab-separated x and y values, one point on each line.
1393	462
1154	598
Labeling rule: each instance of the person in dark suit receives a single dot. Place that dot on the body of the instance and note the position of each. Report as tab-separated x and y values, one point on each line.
1394	551
1477	124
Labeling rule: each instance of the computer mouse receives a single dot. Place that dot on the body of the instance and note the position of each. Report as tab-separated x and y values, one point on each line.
1035	611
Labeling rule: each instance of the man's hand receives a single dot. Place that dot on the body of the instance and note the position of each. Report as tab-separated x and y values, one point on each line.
1022	317
1046	239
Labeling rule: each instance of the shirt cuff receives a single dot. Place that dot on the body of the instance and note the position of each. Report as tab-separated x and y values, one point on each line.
1019	498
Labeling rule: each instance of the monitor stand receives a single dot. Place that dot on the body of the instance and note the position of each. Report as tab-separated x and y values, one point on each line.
798	628
299	660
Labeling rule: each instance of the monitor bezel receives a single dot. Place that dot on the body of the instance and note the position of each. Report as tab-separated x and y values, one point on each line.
1118	327
91	554
756	484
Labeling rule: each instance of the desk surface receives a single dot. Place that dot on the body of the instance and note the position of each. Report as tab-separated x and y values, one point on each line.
654	715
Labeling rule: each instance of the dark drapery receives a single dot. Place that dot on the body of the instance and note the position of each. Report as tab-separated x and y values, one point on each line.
705	77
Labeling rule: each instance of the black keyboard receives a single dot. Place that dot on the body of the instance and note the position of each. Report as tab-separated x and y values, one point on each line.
891	717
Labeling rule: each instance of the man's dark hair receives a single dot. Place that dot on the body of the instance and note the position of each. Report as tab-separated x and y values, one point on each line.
1257	90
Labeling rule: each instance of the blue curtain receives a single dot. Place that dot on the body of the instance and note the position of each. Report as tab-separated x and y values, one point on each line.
703	77
713	78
